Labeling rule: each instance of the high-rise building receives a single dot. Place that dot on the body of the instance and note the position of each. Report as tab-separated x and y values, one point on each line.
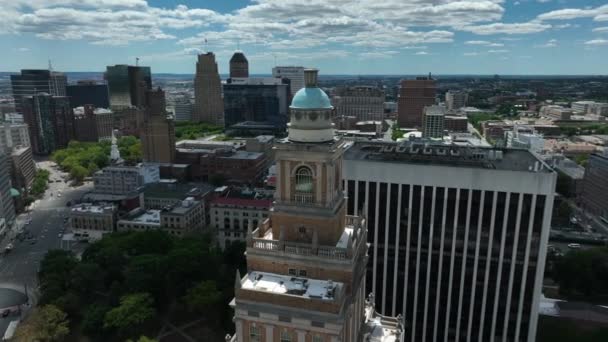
363	102
456	99
50	120
295	75
7	207
595	185
88	93
459	236
208	103
13	135
23	168
32	82
263	100
239	66
93	124
434	122
414	95
182	107
306	263
127	85
158	138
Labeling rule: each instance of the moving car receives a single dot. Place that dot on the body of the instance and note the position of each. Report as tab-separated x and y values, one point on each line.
574	245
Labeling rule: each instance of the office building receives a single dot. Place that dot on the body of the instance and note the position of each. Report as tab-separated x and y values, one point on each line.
87	92
158	138
122	180
363	102
92	221
23	168
239	66
93	124
183	217
456	124
182	108
556	112
434	122
458	236
230	217
7	207
13	135
595	185
295	75
262	100
129	121
414	95
127	85
306	264
208	102
31	82
14	118
50	120
456	99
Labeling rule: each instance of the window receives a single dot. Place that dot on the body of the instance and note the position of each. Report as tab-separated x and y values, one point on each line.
292	271
304	180
317	338
302	273
302	230
285	336
254	333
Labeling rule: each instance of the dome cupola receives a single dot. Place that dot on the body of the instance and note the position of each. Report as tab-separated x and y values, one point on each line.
311	112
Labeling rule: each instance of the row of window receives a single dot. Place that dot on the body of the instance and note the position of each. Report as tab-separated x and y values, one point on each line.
255	335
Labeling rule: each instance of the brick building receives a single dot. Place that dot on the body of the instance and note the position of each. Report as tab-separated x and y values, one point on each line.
414	95
231	216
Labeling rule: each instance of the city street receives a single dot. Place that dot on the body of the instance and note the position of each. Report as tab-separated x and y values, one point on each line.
18	267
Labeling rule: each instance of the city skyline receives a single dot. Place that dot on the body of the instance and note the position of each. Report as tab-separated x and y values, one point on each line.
340	37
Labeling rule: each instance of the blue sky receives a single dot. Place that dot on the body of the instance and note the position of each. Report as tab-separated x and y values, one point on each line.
336	36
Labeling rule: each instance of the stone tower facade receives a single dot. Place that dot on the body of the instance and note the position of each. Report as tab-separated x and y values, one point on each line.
306	263
158	138
239	65
208	102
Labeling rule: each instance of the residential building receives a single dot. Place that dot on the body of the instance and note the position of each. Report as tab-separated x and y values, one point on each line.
363	102
459	236
87	92
295	75
306	264
208	103
127	85
456	99
256	99
23	168
582	107
595	185
239	66
50	120
13	135
7	207
457	124
414	95
230	217
556	112
434	122
120	180
598	109
209	161
158	137
32	82
92	221
184	217
93	124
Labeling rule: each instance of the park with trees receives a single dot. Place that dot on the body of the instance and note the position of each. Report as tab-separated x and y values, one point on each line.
128	285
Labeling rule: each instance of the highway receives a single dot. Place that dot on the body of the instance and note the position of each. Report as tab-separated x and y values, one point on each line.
19	267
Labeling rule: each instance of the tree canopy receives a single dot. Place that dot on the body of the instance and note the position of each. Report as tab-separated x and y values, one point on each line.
45	324
583	275
193	130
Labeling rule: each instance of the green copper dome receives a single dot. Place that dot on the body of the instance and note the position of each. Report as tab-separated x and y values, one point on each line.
310	98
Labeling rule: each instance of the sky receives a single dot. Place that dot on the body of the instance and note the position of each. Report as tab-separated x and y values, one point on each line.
356	37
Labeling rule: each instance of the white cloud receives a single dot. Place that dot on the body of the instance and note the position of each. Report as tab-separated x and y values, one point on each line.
477	42
471	54
551	43
600	29
378	54
421	53
511	28
596	42
498	51
575	13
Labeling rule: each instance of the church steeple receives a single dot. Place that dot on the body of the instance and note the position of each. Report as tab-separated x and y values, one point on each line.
114	151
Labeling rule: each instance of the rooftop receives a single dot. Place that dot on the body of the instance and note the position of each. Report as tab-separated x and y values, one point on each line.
93	209
176	190
243	202
150	217
244	155
447	155
288	285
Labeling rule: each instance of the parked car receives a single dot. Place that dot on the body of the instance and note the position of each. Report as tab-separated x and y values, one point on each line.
574	245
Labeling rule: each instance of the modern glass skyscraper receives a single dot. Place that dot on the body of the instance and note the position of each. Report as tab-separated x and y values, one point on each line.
127	85
88	93
32	82
50	120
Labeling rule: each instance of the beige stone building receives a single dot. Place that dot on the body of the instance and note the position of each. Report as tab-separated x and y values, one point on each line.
208	102
184	217
231	216
92	221
306	263
158	136
363	102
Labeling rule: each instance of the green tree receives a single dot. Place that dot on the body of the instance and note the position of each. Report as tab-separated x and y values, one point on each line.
143	339
134	310
583	274
55	274
203	296
45	324
564	211
78	173
93	319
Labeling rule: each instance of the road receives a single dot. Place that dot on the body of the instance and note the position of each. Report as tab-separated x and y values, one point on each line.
19	267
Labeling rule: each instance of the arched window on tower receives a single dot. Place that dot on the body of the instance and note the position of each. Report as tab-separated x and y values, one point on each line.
304	185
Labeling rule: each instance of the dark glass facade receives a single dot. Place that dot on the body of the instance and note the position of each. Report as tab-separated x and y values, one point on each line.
50	121
127	85
89	94
261	103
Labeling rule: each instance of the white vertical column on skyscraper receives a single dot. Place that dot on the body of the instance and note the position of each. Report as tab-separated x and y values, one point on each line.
452	257
386	229
488	264
428	264
464	261
526	263
407	250
397	231
440	263
475	263
512	269
374	271
417	275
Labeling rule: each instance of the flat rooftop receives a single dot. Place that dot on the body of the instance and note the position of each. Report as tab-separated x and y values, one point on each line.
447	155
93	209
151	217
244	155
288	285
176	190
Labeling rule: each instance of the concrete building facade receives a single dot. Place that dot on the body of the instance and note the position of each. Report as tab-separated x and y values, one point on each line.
366	103
13	135
158	136
456	99
124	180
459	236
434	122
239	66
23	168
295	75
231	216
93	124
208	102
92	221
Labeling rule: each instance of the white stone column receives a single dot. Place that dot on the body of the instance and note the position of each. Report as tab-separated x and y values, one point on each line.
318	190
301	335
269	333
239	330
